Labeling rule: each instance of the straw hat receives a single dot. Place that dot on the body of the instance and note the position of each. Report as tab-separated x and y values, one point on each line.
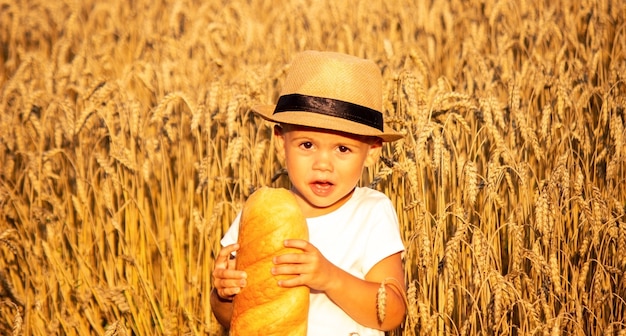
331	91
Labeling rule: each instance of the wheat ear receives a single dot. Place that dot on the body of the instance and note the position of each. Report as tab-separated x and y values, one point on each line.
381	297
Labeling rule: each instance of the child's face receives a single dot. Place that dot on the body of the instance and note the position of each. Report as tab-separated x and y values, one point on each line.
324	166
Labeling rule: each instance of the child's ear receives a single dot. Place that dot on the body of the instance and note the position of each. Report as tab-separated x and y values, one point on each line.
374	153
279	137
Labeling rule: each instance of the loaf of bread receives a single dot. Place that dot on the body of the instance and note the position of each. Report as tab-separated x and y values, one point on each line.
269	216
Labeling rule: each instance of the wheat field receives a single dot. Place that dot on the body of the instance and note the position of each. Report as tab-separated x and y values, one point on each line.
127	146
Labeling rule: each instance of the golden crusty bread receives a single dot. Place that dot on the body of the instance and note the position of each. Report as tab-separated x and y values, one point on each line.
269	216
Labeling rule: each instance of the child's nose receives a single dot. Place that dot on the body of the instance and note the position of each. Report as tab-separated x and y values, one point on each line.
322	161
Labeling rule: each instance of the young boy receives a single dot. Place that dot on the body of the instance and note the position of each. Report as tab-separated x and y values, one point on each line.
329	127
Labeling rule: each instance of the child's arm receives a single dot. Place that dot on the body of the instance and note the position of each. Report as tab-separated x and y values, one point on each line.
227	282
355	296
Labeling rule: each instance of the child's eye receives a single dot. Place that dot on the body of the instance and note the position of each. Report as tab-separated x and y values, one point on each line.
344	149
306	145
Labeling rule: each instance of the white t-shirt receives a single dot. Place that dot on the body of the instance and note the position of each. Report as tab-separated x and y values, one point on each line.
354	237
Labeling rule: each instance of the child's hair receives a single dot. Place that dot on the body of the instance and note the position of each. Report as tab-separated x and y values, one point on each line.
369	139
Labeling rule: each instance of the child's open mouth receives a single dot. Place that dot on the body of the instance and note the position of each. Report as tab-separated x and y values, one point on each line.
321	188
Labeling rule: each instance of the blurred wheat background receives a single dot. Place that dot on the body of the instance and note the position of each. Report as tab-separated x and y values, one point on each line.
127	147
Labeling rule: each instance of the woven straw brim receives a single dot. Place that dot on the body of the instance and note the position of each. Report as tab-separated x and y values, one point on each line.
317	120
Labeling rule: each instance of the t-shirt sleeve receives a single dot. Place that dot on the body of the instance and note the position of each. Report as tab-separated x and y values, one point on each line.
384	236
232	234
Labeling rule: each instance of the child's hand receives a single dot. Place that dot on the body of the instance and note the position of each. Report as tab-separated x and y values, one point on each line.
227	281
310	268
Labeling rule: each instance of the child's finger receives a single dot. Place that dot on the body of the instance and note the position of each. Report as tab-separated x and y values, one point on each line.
291	258
224	274
299	244
224	256
229	292
292	282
